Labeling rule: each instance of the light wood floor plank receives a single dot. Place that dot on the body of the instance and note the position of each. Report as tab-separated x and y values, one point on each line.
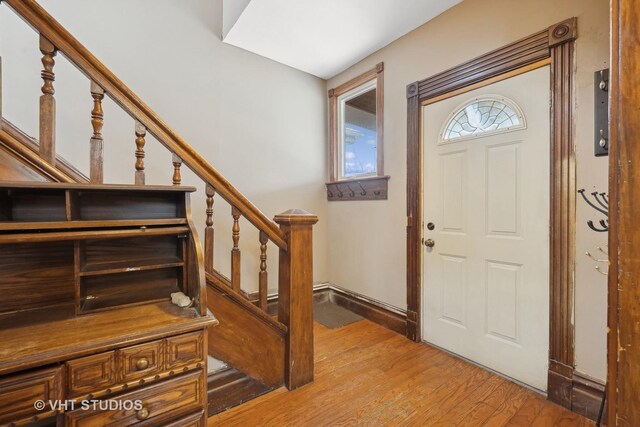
368	375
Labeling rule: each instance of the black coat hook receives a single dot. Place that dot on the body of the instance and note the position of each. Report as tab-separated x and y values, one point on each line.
603	201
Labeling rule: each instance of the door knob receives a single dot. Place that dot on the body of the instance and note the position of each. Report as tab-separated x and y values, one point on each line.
429	243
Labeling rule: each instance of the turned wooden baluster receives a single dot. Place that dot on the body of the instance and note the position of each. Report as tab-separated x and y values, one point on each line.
96	142
48	102
208	231
177	163
235	252
141	132
262	276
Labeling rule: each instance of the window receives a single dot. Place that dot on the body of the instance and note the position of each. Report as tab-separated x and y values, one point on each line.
356	133
482	116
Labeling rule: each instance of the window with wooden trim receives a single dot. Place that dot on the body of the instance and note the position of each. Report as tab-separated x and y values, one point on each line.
356	139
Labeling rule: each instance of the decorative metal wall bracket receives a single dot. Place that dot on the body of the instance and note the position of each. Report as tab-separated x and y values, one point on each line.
373	188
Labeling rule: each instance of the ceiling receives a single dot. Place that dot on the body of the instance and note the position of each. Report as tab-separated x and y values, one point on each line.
323	37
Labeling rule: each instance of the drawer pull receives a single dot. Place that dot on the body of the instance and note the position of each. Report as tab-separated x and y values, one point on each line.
142	414
142	363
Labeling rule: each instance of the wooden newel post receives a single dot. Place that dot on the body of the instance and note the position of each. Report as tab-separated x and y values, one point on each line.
295	299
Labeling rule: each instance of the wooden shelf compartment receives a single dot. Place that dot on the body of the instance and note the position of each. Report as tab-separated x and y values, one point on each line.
130	254
49	202
32	205
96	205
33	338
108	291
90	234
126	267
78	224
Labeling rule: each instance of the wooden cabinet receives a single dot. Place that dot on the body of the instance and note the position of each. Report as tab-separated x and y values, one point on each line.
18	393
91	373
140	361
86	273
184	350
152	405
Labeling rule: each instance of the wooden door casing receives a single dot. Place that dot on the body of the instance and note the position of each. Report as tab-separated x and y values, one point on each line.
554	46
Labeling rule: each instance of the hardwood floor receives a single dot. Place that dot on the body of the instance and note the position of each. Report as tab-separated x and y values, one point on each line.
367	375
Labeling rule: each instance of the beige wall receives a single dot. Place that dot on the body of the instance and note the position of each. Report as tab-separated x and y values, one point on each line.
260	123
367	239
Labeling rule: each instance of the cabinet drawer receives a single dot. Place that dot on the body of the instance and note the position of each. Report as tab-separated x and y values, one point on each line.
18	394
160	402
140	361
184	350
193	420
88	374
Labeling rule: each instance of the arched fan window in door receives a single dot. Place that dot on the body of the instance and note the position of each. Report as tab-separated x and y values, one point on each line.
482	116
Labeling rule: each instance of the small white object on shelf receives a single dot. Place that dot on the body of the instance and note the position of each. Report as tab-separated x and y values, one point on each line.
181	300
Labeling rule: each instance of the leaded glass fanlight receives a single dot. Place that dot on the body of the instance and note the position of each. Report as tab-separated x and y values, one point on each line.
482	116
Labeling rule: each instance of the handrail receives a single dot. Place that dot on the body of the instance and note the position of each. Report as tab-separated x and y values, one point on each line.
32	13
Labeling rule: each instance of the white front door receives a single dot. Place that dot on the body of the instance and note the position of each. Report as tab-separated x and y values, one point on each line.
486	198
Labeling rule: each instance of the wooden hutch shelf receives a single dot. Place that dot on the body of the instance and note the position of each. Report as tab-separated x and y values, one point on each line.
86	275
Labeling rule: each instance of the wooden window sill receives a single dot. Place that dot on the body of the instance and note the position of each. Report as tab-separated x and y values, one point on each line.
369	188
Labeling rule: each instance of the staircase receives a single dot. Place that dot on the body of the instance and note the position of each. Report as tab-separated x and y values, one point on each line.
261	352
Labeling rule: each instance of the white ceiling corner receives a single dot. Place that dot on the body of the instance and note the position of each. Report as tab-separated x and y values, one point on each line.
323	37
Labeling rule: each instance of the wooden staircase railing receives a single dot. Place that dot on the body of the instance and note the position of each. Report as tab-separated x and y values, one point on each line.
291	231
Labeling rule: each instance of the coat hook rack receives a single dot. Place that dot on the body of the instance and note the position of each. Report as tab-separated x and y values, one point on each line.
601	205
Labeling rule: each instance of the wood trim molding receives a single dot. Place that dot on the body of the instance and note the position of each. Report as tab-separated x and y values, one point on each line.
31	159
32	144
377	73
623	356
229	388
586	396
554	45
370	309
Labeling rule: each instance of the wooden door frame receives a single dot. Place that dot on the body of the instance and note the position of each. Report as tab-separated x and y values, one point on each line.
623	354
555	46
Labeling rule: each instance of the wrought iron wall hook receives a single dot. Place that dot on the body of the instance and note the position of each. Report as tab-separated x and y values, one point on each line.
602	203
602	200
604	228
363	192
351	192
599	209
340	194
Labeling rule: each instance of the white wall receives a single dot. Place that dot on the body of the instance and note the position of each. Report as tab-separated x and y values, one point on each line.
262	124
368	238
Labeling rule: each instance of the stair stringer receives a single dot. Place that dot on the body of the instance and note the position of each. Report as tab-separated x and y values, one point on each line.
246	338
